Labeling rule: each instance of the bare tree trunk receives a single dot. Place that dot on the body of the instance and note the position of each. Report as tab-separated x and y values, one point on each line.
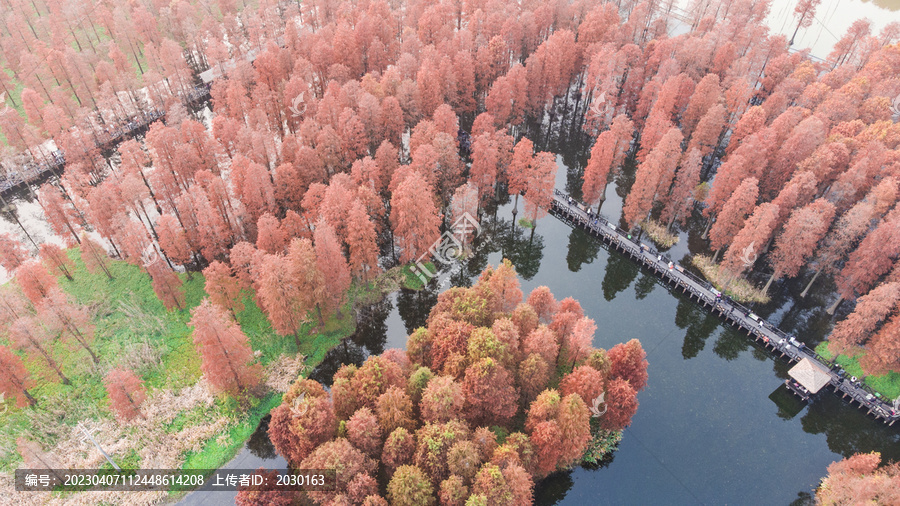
769	283
811	281
834	306
706	230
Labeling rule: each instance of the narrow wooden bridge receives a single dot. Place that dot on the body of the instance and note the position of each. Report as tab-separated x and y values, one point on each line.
104	139
770	337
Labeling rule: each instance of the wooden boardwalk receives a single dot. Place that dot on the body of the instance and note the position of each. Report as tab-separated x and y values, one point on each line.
771	338
105	139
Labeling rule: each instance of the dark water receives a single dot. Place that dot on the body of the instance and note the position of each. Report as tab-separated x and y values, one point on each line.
715	424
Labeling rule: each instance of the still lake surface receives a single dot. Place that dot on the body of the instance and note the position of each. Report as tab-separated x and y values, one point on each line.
715	425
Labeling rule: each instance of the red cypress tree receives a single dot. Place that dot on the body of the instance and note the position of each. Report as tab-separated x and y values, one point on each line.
729	176
442	400
12	253
621	404
223	288
399	449
35	281
871	309
394	409
539	192
577	344
252	184
798	241
410	486
517	176
333	267
681	199
364	433
414	217
126	393
757	231
56	260
448	337
94	256
485	164
27	334
166	285
491	397
629	362
173	240
269	236
559	429
543	303
14	379
654	177
281	297
706	136
858	479
502	287
873	257
803	141
796	193
730	220
585	381
706	95
751	121
502	486
361	241
227	359
62	217
67	320
303	421
597	170
883	349
542	341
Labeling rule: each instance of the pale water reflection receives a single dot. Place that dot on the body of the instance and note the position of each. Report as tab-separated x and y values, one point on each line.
833	18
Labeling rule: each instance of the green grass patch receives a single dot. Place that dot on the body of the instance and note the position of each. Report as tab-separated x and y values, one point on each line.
410	280
888	385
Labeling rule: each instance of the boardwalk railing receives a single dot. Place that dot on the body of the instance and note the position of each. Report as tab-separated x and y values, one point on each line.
771	337
105	138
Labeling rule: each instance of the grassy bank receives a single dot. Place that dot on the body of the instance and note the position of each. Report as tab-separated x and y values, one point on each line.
186	425
888	385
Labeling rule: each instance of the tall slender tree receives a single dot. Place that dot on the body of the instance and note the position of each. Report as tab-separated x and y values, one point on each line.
414	217
227	359
539	192
731	219
333	267
126	393
14	380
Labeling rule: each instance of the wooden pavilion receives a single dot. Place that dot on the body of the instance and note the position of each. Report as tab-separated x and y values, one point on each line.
807	378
